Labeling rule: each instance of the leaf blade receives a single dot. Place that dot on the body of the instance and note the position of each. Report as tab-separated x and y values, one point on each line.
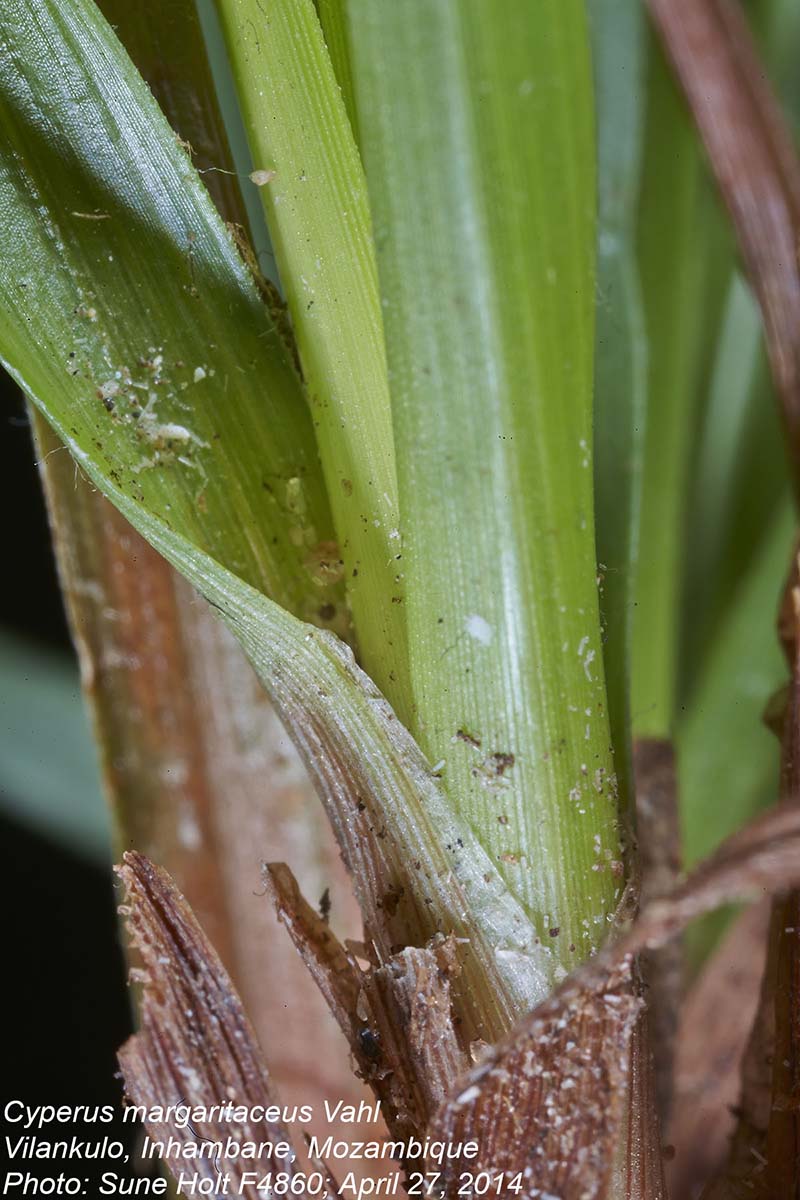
104	217
315	202
476	135
621	349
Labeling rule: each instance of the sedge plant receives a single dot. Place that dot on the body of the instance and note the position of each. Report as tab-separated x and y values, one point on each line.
403	335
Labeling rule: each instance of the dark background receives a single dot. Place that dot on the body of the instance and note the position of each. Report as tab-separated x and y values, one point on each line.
67	1002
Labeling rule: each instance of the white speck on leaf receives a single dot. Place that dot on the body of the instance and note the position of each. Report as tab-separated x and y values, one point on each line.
479	628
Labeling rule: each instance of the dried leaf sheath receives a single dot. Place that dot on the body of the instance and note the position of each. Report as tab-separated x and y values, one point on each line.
783	969
201	775
557	1085
548	1103
639	1167
715	1024
396	1017
658	840
765	1153
574	1073
196	1046
264	803
756	166
124	612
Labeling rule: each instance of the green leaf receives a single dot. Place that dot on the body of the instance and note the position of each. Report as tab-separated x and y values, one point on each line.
315	200
721	786
333	19
740	478
618	29
58	792
728	761
476	129
776	24
167	45
684	265
224	91
123	293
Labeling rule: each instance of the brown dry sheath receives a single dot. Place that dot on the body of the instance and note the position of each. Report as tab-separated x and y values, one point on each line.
756	167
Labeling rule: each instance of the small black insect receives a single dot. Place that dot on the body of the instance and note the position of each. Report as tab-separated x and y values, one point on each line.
370	1043
325	905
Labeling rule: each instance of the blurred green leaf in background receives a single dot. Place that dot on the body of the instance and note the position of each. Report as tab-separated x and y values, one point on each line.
48	764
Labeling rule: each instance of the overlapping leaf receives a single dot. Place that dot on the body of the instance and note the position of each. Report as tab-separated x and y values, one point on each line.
386	809
124	296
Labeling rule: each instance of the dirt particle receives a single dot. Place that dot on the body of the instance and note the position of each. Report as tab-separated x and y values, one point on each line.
325	564
108	389
462	735
391	900
503	761
492	769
